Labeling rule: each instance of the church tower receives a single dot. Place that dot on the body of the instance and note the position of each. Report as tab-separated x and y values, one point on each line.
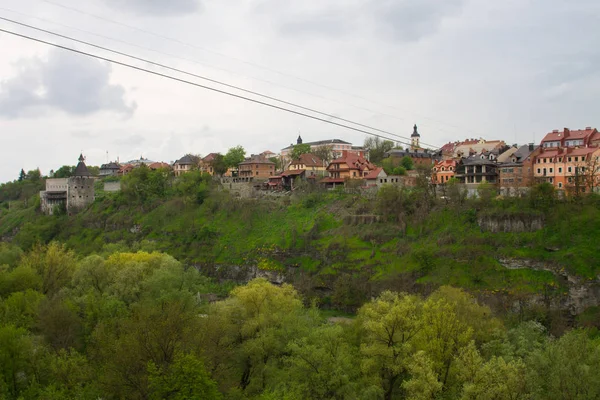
299	140
414	139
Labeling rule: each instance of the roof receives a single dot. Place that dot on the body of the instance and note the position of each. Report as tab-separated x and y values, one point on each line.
411	154
81	169
310	160
477	161
354	161
256	159
186	160
415	132
292	172
586	134
158	165
445	163
375	173
320	143
110	165
210	157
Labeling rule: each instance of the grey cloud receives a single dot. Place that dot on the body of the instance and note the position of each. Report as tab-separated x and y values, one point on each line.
131	140
157	8
410	20
69	83
403	20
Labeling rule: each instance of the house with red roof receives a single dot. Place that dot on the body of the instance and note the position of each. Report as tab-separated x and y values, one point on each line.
310	163
569	160
443	171
349	166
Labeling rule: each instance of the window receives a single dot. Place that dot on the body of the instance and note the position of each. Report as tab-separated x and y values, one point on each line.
569	159
551	170
570	169
559	185
560	170
538	171
256	173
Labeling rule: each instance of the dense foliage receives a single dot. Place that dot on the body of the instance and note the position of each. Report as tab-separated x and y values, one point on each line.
141	326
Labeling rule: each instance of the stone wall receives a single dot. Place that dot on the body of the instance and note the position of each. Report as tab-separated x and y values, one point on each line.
514	223
112	186
80	194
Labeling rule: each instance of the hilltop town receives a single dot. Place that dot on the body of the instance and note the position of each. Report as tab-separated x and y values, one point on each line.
566	159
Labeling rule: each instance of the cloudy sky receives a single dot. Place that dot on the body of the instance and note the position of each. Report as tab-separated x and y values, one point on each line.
512	70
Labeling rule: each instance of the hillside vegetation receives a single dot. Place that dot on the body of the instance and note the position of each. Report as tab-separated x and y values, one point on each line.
144	326
420	243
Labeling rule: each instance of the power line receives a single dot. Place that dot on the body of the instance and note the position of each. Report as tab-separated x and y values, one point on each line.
175	40
205	65
196	84
204	78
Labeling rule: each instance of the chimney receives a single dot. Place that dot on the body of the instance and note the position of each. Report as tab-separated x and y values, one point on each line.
555	131
588	128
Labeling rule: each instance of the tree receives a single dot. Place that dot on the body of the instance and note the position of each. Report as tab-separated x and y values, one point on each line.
185	379
324	152
234	156
407	163
22	175
277	162
390	324
323	365
34	175
219	164
53	263
65	171
299	149
377	148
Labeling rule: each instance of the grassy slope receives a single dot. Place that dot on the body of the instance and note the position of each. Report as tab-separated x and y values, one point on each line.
447	248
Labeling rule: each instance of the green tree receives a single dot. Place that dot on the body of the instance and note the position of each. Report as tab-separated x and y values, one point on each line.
390	325
219	164
34	175
234	156
16	348
65	171
324	152
22	175
53	263
407	163
185	379
377	148
323	365
21	309
298	150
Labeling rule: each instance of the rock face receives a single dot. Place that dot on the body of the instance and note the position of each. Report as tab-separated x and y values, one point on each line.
582	293
511	223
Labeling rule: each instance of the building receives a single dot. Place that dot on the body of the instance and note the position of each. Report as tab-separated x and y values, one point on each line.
588	137
159	165
474	171
472	147
571	169
414	139
73	194
110	169
137	163
310	163
349	166
337	146
418	157
569	160
206	163
185	164
515	171
443	171
256	167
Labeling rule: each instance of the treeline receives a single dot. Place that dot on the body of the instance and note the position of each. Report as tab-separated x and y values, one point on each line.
144	326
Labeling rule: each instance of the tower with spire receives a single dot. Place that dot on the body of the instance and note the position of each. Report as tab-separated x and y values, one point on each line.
299	140
414	139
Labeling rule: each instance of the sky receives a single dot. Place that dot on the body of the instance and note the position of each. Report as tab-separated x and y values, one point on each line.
511	70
